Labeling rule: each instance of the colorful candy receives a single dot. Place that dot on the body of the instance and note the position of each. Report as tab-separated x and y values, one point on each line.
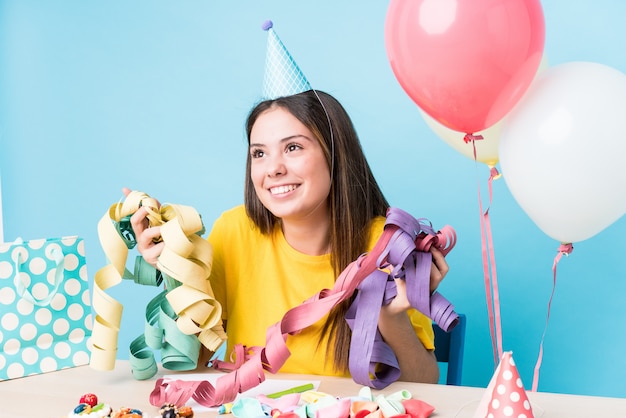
89	398
127	413
88	407
170	410
87	410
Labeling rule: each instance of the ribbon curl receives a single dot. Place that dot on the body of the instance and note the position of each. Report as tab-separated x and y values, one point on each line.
181	317
372	362
400	404
404	245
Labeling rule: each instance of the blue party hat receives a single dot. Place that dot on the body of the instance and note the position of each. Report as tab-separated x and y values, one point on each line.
282	75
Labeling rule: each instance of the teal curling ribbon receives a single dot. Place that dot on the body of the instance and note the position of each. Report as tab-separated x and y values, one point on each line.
125	230
144	273
178	350
175	323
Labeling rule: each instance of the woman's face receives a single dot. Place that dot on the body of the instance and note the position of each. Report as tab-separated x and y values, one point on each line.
288	168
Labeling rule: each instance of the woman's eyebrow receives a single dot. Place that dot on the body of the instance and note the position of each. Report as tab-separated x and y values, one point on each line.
285	139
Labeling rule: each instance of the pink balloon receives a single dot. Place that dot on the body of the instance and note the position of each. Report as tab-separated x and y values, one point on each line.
465	63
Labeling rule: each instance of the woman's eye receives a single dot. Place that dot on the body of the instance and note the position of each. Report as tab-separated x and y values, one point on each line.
256	153
293	147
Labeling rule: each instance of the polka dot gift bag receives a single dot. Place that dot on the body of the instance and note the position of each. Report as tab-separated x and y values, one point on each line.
45	309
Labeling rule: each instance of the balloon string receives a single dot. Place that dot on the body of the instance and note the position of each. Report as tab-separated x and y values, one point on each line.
491	284
563	249
496	294
472	138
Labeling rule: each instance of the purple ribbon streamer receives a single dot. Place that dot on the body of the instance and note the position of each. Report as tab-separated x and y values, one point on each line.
370	356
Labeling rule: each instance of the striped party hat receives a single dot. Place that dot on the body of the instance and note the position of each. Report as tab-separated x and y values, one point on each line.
282	75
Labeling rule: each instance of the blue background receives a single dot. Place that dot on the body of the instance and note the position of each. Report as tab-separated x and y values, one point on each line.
97	95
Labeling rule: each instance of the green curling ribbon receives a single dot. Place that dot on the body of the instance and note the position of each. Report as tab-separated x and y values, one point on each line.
170	284
153	333
125	229
172	322
247	407
144	273
141	359
178	351
390	407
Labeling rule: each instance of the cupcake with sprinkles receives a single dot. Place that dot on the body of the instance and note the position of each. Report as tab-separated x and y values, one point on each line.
89	407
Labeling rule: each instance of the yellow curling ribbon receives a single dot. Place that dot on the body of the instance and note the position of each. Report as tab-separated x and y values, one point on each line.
180	318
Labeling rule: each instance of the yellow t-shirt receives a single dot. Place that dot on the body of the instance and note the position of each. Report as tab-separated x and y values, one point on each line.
258	278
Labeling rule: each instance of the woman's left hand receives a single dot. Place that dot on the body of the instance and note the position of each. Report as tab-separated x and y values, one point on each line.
438	270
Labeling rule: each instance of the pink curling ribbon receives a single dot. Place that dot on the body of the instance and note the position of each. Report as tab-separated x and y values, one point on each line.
399	240
491	280
489	261
564	249
285	403
472	138
400	404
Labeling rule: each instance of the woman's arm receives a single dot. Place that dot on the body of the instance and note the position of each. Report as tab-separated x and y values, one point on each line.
417	364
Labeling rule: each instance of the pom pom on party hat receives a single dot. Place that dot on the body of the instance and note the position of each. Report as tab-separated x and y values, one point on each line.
282	75
505	396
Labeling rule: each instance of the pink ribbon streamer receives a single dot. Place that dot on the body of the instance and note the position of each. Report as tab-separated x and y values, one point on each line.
489	265
489	261
563	249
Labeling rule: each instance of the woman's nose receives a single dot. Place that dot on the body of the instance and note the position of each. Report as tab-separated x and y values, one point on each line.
276	167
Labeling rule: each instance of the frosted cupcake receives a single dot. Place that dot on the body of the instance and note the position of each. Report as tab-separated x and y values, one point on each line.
84	410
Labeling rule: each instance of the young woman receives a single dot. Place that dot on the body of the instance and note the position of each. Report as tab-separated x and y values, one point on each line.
312	206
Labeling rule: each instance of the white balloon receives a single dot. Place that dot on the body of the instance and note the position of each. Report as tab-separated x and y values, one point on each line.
563	150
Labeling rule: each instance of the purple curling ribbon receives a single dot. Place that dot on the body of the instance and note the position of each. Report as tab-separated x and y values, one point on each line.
367	342
372	362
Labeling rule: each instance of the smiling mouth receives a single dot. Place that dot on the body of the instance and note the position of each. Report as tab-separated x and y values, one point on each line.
282	189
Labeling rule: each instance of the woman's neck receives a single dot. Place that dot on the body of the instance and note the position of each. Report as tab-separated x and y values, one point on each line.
311	237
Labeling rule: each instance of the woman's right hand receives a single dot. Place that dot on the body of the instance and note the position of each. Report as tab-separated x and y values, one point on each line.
149	244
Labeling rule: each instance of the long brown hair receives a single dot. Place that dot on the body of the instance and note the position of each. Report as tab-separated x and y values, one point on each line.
354	200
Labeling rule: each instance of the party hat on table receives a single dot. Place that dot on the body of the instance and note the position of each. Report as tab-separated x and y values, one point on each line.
282	77
505	396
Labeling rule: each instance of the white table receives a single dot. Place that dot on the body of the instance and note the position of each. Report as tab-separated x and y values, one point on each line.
53	395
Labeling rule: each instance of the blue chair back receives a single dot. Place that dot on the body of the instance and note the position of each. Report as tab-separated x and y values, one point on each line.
449	347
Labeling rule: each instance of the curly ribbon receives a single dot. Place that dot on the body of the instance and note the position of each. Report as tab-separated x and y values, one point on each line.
564	249
248	364
400	404
372	362
472	138
489	270
488	255
173	318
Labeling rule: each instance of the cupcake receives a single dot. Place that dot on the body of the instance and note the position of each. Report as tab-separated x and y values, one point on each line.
88	407
84	410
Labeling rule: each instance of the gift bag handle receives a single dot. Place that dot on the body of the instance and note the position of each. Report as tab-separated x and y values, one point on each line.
20	258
